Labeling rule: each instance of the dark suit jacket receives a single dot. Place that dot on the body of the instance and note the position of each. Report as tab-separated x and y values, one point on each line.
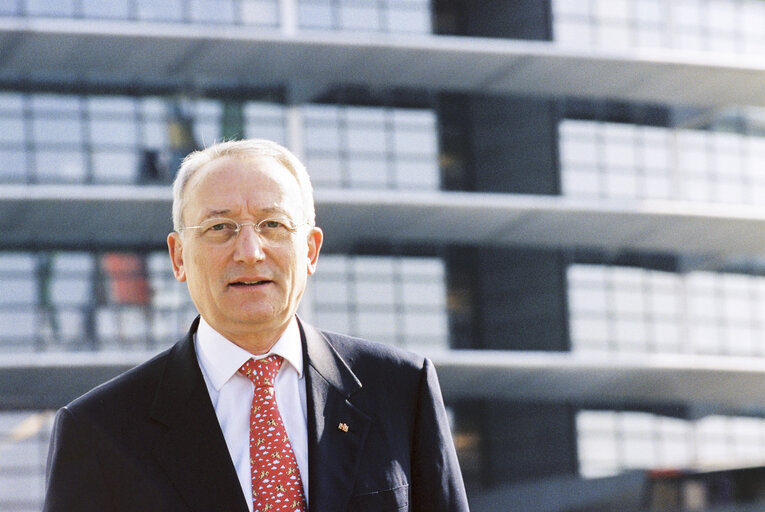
149	439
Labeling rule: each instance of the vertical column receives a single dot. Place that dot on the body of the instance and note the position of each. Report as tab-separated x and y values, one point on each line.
288	17
297	94
506	299
232	120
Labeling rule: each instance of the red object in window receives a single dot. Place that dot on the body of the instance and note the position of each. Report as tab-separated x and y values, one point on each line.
127	278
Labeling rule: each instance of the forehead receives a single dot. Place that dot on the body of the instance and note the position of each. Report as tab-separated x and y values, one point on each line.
234	182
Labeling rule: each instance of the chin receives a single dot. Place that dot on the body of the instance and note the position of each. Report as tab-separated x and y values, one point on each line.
259	317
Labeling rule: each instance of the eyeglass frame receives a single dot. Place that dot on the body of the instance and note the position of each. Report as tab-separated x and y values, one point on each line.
291	226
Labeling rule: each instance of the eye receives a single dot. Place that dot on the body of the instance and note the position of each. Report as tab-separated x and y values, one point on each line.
220	226
274	225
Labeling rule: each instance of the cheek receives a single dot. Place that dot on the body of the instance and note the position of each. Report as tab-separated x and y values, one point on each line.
285	259
202	266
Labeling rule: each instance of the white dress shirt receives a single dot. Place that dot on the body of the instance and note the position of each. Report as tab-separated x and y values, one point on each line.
231	394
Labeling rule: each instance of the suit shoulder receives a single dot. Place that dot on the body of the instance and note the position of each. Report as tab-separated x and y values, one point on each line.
363	351
131	386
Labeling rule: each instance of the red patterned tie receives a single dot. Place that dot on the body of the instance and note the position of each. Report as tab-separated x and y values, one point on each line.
276	484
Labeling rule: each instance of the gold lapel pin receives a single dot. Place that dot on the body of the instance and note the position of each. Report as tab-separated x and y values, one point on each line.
343	427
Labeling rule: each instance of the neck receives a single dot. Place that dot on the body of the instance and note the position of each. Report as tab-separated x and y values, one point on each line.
255	340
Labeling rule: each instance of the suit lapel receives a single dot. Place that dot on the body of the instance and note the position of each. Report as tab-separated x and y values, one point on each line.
193	451
334	451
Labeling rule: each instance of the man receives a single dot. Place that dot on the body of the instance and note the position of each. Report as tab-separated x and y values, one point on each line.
355	426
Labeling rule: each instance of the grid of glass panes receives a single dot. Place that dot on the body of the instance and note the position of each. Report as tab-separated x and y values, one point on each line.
129	301
87	301
611	442
58	138
612	160
400	16
395	300
232	12
695	25
23	451
633	310
628	309
371	147
395	16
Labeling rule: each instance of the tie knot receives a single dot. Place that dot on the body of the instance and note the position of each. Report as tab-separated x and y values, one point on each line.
263	371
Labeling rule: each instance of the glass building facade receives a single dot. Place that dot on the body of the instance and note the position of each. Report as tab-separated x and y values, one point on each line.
422	296
630	310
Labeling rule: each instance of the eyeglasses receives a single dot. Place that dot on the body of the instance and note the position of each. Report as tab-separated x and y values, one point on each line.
220	230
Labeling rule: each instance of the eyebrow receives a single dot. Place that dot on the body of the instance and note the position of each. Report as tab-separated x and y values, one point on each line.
216	213
226	211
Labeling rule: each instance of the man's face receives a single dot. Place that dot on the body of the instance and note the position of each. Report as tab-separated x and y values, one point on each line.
245	286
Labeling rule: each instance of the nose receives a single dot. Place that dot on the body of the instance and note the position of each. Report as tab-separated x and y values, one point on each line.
249	245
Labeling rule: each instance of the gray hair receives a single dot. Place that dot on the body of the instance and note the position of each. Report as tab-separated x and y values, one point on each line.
248	148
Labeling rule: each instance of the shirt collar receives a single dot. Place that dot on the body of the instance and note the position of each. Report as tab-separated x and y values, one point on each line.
220	358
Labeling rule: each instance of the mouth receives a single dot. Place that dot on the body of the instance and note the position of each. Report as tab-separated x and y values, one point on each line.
249	283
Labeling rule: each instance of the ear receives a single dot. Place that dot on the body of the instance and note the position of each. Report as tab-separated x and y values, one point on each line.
175	246
315	239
